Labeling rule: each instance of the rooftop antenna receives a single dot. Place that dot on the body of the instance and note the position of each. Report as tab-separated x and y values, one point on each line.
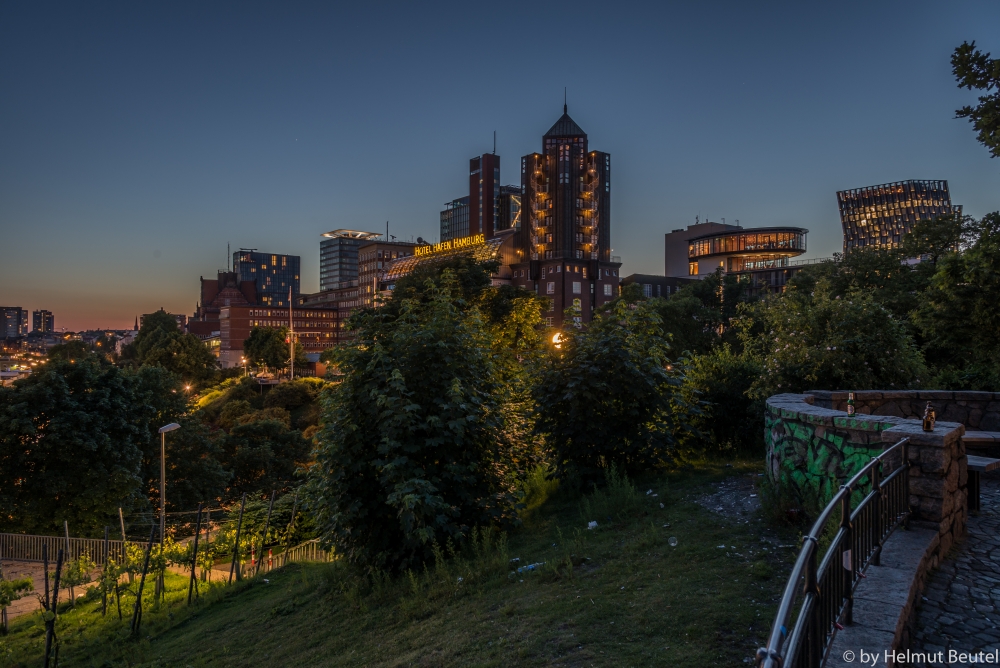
565	107
737	222
227	256
387	230
494	142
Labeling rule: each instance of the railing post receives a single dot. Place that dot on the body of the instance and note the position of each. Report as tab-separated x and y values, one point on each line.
906	483
847	556
878	521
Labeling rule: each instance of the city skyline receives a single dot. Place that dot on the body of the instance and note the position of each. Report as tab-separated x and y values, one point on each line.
138	142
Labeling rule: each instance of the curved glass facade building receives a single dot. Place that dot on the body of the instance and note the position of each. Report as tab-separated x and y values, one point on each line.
880	215
741	251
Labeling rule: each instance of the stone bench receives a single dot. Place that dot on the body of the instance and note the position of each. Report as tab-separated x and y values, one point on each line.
981	438
978	465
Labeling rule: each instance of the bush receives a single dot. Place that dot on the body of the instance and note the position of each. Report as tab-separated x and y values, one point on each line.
416	445
609	395
731	419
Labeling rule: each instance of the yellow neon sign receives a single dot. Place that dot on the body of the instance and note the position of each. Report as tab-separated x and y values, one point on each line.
453	244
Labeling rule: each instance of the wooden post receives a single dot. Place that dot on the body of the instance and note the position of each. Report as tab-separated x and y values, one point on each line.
72	593
50	623
263	538
3	612
45	565
104	578
121	518
236	544
137	611
288	530
193	584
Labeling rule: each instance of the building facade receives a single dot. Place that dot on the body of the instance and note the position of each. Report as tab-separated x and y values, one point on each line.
881	215
455	219
338	257
225	290
761	254
314	327
563	246
43	322
271	274
374	259
15	321
487	209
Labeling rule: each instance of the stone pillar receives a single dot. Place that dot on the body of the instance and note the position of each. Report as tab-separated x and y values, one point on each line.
938	477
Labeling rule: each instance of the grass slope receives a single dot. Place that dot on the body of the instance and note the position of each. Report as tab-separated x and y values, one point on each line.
638	601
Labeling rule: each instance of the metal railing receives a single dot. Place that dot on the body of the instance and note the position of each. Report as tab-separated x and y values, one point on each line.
307	551
828	590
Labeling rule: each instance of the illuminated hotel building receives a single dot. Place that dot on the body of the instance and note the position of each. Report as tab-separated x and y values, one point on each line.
271	274
763	254
563	246
881	215
374	259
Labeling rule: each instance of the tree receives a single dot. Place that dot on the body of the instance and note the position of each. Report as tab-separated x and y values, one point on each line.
416	446
975	69
812	341
268	347
263	455
71	438
69	350
958	316
193	470
608	394
161	343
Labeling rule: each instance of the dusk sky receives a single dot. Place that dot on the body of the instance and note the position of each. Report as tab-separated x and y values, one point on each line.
137	141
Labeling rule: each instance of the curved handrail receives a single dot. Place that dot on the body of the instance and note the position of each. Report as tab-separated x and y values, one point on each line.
805	568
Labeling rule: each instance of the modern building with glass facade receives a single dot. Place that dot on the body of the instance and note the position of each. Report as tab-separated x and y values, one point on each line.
338	257
272	274
489	207
763	254
880	215
43	321
455	219
14	323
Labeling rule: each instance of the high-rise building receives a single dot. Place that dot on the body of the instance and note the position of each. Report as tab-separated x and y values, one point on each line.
564	241
338	257
489	207
881	215
271	274
455	219
43	321
15	321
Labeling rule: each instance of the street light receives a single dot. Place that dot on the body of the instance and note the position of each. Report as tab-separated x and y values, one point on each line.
163	474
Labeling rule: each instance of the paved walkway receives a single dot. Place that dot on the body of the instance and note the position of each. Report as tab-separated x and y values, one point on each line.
960	609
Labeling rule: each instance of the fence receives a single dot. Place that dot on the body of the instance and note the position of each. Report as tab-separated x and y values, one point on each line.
828	590
307	551
22	547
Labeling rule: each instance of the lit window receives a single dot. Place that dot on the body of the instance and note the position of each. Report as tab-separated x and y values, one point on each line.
550	288
692	268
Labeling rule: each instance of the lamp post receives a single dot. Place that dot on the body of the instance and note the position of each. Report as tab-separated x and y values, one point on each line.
163	474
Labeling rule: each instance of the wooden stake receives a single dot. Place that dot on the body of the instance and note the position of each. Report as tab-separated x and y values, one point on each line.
72	593
137	611
263	538
193	584
288	531
50	623
104	579
236	545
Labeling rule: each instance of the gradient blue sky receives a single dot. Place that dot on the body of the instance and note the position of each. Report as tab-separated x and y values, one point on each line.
136	141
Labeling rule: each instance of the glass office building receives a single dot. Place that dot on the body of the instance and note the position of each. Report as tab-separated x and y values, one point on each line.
338	257
881	215
455	219
272	274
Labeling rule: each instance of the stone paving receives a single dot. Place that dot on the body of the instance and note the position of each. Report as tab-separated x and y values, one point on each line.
960	608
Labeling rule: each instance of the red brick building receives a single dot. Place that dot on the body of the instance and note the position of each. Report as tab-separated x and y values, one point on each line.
315	327
226	290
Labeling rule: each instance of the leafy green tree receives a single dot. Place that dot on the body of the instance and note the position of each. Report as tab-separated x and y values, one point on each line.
268	347
71	439
160	342
416	446
975	69
811	341
936	237
958	316
262	456
193	469
608	395
69	350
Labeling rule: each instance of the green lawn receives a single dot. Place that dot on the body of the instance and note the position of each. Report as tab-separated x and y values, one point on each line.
637	601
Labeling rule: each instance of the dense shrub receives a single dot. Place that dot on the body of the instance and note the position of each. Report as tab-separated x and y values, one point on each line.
416	447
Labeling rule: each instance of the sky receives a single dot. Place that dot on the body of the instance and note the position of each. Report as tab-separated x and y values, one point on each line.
137	140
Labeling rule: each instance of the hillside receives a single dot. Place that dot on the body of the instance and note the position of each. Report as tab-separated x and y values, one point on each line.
631	599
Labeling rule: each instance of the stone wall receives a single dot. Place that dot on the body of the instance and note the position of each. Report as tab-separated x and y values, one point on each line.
812	450
978	411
